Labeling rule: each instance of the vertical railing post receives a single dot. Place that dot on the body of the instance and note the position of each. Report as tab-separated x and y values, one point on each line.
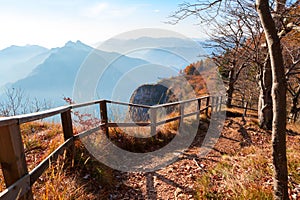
12	156
104	118
67	125
207	105
181	113
250	102
198	108
220	103
213	104
153	118
245	111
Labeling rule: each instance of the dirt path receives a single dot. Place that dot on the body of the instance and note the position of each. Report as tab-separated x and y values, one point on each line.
180	179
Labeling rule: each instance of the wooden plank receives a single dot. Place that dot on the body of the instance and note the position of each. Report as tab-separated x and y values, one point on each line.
88	132
104	118
191	114
67	125
17	190
244	107
12	156
39	170
181	113
132	124
128	104
6	121
220	103
90	103
245	111
204	109
178	117
168	120
166	105
198	109
207	106
179	102
153	117
41	115
213	104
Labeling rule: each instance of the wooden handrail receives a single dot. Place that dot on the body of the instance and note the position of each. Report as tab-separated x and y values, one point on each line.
20	119
90	103
128	104
6	121
179	102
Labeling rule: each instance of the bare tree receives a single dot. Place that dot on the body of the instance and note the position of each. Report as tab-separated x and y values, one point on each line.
37	105
239	41
278	97
291	52
15	102
294	90
229	38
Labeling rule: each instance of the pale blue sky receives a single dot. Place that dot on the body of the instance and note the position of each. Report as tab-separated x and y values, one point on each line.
51	23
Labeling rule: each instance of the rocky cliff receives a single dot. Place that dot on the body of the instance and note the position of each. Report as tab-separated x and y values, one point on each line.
149	94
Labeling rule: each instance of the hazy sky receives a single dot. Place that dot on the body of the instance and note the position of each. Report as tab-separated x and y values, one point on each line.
51	23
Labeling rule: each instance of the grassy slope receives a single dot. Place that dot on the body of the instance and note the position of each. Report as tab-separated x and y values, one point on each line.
244	167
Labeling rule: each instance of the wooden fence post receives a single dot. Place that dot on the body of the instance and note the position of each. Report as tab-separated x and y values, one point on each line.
12	156
220	103
198	109
213	103
153	117
104	118
207	104
245	111
181	113
67	125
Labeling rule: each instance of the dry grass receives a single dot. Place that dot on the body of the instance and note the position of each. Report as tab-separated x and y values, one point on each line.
139	145
238	177
55	183
85	179
247	173
40	139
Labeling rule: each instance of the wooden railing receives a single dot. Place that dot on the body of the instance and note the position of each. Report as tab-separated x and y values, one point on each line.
246	104
12	156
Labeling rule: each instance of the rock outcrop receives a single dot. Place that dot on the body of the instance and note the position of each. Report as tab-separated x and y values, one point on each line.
149	94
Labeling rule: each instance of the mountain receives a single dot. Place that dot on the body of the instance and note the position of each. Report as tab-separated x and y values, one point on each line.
55	78
17	61
166	51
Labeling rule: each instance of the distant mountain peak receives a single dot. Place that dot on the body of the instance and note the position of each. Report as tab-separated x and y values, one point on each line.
27	47
77	44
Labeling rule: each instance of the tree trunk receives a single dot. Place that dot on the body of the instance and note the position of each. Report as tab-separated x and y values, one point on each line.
265	112
230	88
279	101
294	109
